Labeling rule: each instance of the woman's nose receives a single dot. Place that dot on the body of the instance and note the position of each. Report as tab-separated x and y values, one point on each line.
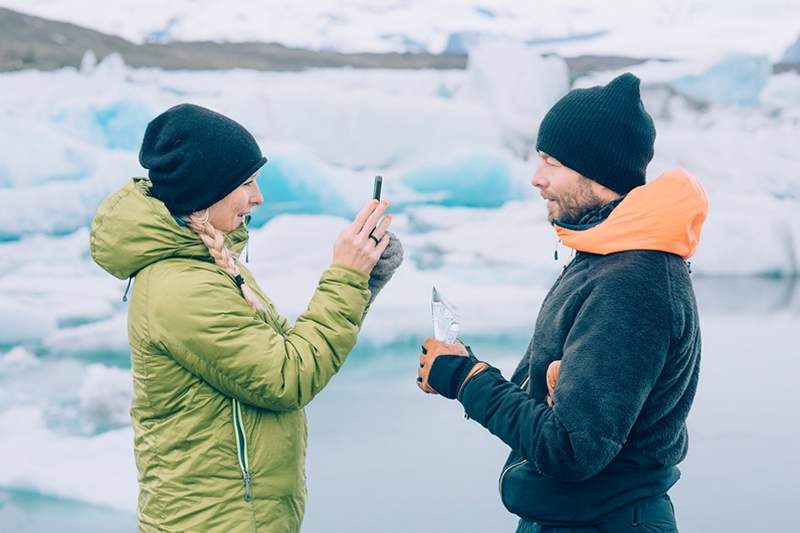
257	198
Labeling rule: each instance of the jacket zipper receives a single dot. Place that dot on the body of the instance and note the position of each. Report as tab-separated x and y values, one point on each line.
518	463
241	446
524	384
506	471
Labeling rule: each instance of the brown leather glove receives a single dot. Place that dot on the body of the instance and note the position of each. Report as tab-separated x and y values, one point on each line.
455	365
552	380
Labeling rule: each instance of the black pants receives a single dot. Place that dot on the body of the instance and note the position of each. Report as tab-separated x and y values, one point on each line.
652	515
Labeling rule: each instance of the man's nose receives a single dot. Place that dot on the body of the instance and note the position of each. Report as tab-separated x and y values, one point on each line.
538	180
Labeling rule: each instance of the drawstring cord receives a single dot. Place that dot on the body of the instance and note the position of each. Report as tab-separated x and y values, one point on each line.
125	296
247	244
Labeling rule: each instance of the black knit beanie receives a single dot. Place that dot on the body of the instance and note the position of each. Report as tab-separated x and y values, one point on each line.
195	157
603	133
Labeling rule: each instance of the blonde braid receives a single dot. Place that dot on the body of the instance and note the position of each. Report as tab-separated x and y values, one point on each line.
214	240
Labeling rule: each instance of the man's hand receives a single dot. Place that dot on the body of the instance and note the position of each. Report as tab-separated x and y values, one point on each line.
444	368
552	380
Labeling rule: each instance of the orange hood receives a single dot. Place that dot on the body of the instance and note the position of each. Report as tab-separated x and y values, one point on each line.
666	214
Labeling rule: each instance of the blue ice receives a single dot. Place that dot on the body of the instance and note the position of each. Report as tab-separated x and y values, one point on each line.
477	181
119	125
737	80
292	187
792	54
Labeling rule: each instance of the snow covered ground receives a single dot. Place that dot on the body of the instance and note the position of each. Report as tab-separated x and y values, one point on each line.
456	149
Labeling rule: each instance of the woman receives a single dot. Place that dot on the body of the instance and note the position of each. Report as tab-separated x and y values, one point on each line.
220	378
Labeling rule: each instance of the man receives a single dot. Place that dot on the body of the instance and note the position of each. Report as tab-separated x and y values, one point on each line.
597	451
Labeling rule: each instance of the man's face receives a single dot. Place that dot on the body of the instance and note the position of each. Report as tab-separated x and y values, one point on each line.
569	195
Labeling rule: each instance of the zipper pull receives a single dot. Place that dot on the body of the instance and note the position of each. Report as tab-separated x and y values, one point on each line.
125	296
247	496
555	252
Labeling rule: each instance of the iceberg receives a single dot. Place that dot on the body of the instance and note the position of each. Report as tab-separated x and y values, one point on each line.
104	398
792	54
474	181
737	80
118	125
518	85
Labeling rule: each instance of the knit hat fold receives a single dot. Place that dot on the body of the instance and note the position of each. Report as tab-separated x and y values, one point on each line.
602	132
196	157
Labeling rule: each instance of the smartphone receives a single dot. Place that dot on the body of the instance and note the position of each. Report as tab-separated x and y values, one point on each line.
376	189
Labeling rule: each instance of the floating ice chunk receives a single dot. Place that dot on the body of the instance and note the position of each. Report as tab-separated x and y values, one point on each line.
737	80
62	207
105	397
461	42
293	186
18	358
472	181
118	125
792	54
23	321
519	86
88	62
113	65
782	93
47	462
739	238
58	156
104	337
357	126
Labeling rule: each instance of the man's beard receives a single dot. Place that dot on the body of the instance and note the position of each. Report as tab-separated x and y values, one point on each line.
573	206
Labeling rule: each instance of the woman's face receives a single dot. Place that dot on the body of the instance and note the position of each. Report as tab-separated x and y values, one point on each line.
228	214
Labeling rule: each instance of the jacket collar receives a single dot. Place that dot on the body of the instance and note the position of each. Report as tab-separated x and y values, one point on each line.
666	214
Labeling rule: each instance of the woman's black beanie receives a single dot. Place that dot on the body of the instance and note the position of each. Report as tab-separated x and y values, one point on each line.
603	133
196	157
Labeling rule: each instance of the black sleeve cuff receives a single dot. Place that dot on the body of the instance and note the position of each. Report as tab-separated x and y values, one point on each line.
449	372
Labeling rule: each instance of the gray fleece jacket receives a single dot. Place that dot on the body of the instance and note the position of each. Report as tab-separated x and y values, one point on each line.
624	325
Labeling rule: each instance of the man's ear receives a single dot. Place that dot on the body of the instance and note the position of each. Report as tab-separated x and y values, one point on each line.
603	192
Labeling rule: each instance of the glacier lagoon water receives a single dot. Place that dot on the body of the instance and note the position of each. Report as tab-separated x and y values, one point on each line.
384	457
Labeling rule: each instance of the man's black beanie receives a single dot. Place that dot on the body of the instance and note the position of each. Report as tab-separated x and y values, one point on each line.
195	157
603	133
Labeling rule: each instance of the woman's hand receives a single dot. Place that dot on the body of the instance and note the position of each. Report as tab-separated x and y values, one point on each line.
361	244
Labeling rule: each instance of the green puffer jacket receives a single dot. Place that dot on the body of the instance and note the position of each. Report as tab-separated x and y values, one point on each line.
219	389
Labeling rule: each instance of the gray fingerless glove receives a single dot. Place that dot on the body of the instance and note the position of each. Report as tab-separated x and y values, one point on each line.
385	267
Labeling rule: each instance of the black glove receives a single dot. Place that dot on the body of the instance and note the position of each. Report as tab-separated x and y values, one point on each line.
448	373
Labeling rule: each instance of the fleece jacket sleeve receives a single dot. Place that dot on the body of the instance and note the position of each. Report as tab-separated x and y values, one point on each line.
612	357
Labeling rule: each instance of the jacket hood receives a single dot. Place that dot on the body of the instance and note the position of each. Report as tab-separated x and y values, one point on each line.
132	230
666	214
